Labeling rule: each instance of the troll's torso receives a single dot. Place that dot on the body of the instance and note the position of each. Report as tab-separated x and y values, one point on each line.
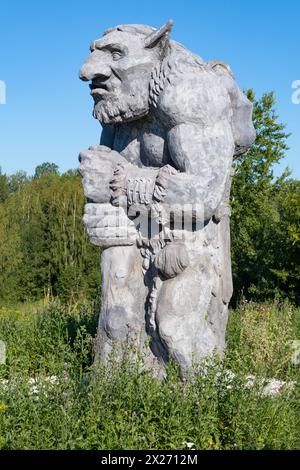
142	143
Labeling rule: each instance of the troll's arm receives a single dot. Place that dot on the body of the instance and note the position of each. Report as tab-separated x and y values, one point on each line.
202	159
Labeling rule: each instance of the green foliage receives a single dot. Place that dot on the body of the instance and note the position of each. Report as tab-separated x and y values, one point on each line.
51	398
256	166
265	332
17	181
4	188
45	167
11	184
44	250
265	223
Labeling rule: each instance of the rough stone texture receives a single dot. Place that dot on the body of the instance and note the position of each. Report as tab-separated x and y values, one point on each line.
158	189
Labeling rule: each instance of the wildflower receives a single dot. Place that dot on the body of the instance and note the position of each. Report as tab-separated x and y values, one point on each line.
34	390
31	381
189	445
52	379
295	346
3	406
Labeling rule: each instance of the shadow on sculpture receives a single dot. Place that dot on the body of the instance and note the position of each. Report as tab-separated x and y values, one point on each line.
158	188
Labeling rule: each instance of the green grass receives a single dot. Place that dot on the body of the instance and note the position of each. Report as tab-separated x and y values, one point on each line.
119	407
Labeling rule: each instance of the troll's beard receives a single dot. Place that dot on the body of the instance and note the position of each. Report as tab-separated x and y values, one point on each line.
112	109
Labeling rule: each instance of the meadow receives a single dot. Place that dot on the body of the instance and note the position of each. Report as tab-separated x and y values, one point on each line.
51	396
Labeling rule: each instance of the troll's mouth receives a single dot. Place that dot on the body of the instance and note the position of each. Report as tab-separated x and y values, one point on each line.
98	88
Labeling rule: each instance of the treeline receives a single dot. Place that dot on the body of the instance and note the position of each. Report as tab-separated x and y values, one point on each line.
44	250
265	223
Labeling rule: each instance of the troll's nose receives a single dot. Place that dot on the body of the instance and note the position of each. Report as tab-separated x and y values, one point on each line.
94	67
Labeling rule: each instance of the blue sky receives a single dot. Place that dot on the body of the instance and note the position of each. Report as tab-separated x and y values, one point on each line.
47	115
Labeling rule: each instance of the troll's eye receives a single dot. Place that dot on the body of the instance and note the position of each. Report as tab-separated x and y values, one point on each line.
116	55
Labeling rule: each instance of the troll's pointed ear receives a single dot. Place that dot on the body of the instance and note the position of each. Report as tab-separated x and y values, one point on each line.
163	32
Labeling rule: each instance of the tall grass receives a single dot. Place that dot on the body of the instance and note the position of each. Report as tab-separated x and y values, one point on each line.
52	398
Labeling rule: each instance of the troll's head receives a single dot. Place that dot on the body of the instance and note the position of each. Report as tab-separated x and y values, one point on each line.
119	69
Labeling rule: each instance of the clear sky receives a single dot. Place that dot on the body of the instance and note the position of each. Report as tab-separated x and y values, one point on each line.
47	115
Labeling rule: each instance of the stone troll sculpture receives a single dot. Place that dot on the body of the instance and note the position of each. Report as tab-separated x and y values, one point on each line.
157	191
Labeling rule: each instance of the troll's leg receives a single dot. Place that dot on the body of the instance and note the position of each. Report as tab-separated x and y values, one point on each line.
122	318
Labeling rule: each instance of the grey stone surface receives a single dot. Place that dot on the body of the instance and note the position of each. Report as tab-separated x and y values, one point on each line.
158	188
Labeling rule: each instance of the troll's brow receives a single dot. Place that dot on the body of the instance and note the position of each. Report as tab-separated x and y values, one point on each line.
97	45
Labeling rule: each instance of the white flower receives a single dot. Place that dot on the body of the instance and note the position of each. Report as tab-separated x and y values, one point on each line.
189	445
